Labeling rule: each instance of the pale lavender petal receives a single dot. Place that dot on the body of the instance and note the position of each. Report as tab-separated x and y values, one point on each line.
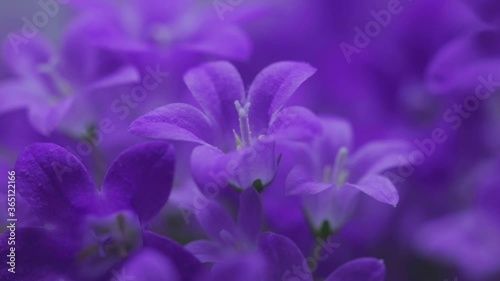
272	87
379	188
295	123
300	182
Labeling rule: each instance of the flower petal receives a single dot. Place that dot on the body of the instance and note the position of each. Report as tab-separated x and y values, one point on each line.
295	123
141	177
175	121
188	267
378	187
205	251
216	86
300	182
363	269
45	117
272	87
217	223
376	157
256	165
250	214
282	256
54	183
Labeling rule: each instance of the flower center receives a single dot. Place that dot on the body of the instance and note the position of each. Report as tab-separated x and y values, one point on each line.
337	174
62	85
245	137
112	237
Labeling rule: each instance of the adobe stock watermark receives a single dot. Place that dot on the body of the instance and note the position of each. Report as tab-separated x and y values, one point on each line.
372	29
322	251
122	107
454	117
32	26
222	7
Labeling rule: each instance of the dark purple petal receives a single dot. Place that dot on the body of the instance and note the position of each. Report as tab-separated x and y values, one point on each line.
54	183
227	41
250	214
175	121
217	223
282	256
141	177
379	188
216	86
295	123
300	182
188	267
147	265
272	87
363	269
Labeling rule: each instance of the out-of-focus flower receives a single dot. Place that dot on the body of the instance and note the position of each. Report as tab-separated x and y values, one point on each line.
49	81
271	256
472	233
330	179
87	231
163	28
236	131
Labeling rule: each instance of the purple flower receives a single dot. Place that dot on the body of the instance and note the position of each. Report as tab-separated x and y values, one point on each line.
235	247
329	178
86	231
51	83
163	28
236	131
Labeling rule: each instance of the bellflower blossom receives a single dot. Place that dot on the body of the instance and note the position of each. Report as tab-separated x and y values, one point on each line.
85	231
330	179
48	81
158	27
235	129
271	256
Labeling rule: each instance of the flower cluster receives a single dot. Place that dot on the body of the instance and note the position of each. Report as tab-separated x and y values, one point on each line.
192	140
